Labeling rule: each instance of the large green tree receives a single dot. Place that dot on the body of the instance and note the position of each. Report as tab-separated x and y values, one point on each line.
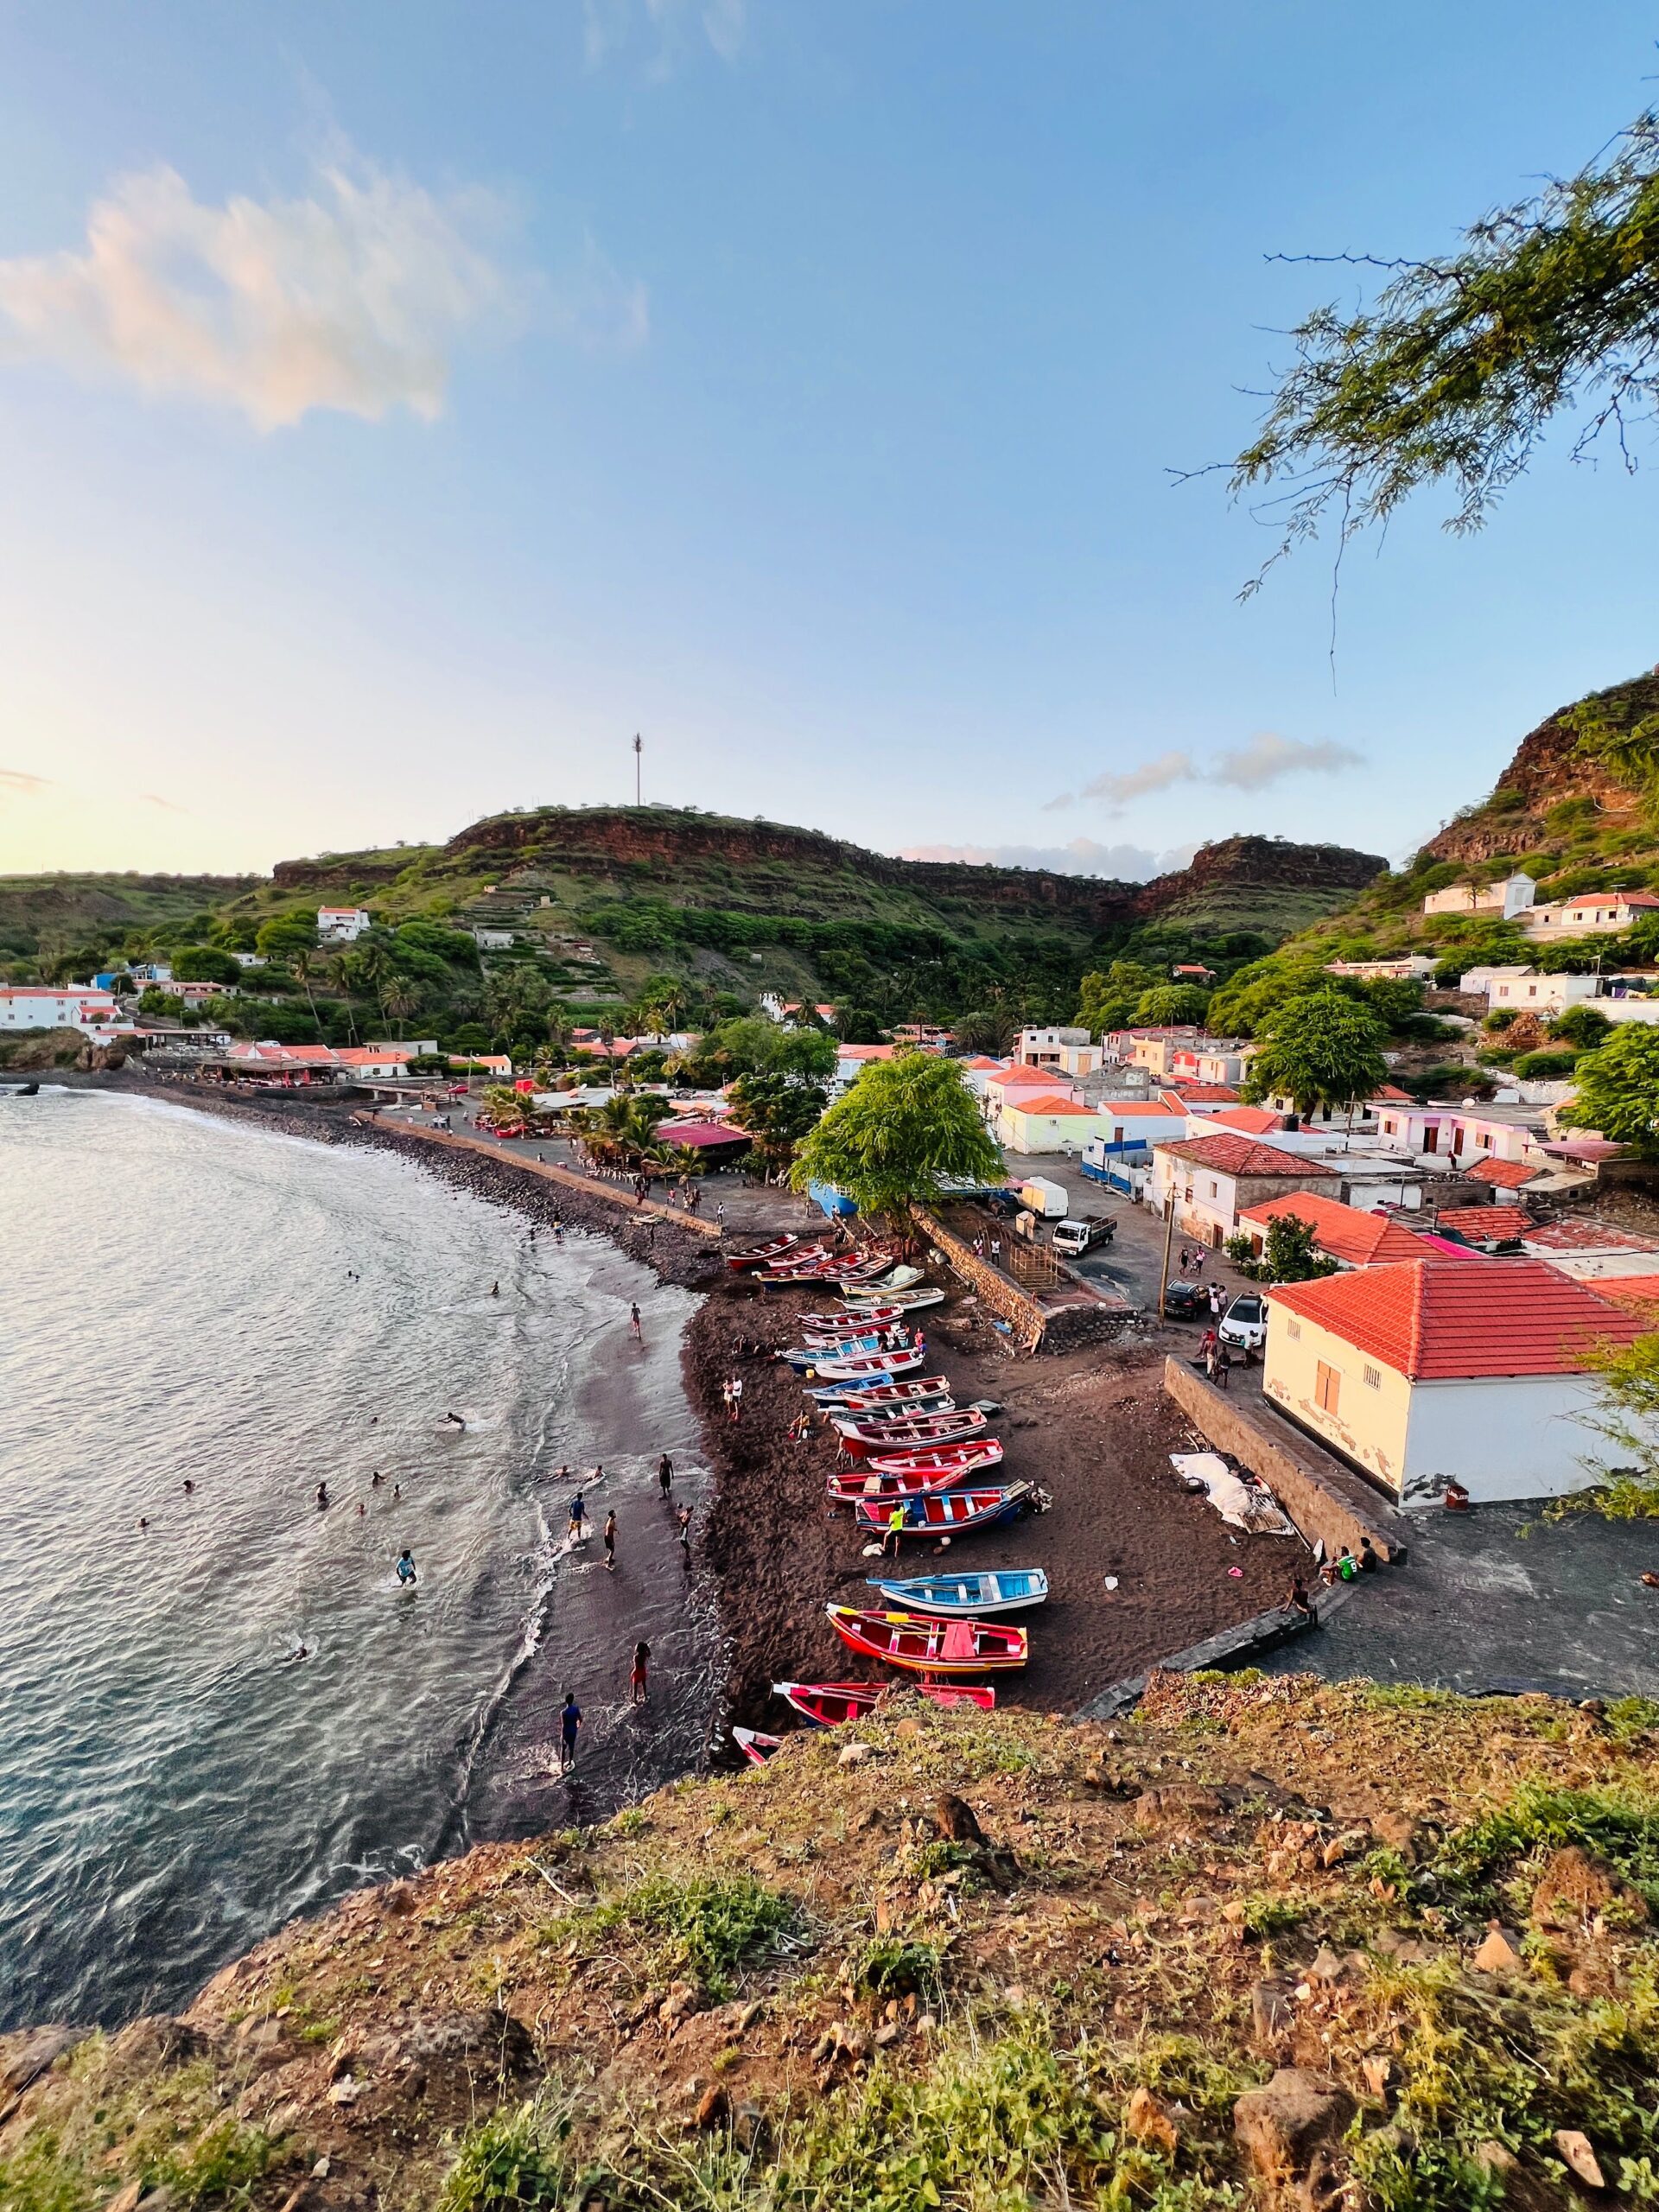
1453	372
1322	1050
1171	1003
908	1128
778	1112
1617	1089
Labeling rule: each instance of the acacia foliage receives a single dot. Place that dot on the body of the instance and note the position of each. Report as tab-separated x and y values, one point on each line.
906	1129
1453	372
1324	1049
1617	1089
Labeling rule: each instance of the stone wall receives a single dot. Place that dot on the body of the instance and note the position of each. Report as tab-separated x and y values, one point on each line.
613	1193
1322	1496
989	1284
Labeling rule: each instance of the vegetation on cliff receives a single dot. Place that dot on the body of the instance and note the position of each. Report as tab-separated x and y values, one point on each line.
1266	1935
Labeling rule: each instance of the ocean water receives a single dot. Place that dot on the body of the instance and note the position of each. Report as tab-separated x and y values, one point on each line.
187	1297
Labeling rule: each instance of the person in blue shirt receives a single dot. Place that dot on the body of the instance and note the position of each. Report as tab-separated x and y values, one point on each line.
406	1568
578	1518
569	1722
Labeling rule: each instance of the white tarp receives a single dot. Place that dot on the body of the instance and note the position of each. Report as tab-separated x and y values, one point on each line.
1249	1506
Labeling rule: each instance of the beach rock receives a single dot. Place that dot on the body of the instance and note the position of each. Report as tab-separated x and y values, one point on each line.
855	1754
1498	1954
1149	2120
1578	2158
1576	1887
1399	1832
27	2055
713	2107
956	1821
1523	2191
1289	2128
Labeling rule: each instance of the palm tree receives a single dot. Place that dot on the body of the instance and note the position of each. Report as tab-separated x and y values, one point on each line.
304	966
399	999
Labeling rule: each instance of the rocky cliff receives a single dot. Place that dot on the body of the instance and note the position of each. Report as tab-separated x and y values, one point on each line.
1267	1942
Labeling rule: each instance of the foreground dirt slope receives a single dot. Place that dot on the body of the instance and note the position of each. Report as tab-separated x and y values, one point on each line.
1267	1942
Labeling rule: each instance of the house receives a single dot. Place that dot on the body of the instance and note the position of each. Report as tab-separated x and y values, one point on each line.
1071	1052
1591	1250
407	1048
1243	1120
1485	1228
1590	913
1408	968
249	959
1466	1136
1155	1049
1210	1180
1438	1370
1511	897
1347	1235
25	1006
1038	1120
489	939
341	925
1192	971
1209	1059
1136	1124
851	1060
173	1037
1505	1175
1531	993
377	1063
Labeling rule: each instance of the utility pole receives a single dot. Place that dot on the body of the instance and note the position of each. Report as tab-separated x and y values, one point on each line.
639	748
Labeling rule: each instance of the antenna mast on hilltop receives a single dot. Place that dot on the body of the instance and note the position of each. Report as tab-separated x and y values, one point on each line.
639	748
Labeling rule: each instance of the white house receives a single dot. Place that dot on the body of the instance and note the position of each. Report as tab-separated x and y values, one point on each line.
1590	914
1511	897
25	1006
341	925
1439	1370
1529	993
249	959
492	940
1211	1179
1409	968
1071	1052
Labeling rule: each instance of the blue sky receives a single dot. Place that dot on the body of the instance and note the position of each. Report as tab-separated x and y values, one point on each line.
402	406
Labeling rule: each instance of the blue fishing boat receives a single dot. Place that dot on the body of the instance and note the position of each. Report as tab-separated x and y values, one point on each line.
912	1392
1007	1590
804	1355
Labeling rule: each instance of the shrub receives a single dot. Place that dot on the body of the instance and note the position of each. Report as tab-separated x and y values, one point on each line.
891	1966
1545	1067
511	2157
707	1927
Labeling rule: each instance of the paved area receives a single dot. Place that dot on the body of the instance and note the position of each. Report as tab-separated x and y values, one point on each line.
1500	1600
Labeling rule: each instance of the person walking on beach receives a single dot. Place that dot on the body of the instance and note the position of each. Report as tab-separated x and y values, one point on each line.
578	1528
683	1522
570	1723
406	1569
610	1542
558	1230
495	1290
720	1213
633	1324
895	1529
322	1497
639	1678
665	1474
737	1399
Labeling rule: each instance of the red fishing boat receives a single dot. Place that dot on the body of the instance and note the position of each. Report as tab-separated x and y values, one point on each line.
758	1255
755	1746
923	1645
866	1316
914	1432
916	1474
946	1512
875	1365
828	1705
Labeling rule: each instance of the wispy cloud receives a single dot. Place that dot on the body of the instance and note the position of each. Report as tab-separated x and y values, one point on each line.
166	805
1080	856
608	25
1263	760
352	298
22	785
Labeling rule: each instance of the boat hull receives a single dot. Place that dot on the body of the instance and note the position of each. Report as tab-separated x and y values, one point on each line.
829	1705
966	1596
875	1365
922	1644
925	1432
947	1513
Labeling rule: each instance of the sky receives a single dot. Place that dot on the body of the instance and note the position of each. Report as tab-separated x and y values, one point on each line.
403	405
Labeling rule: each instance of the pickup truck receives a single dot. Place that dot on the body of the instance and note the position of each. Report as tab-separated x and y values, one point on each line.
1072	1239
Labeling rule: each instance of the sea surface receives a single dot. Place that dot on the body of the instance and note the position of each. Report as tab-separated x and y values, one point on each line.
213	1723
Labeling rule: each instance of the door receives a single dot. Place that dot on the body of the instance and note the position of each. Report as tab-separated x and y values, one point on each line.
1327	1389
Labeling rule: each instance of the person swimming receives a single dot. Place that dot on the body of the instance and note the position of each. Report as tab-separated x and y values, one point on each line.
323	1499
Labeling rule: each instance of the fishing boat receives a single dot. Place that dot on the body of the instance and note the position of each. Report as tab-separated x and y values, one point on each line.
914	1432
828	1705
839	1396
912	1476
947	1512
906	1301
755	1746
917	1394
804	1356
910	1409
1002	1590
864	1317
872	1366
758	1255
928	1646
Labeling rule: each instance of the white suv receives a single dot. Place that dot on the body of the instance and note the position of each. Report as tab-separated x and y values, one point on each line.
1245	1322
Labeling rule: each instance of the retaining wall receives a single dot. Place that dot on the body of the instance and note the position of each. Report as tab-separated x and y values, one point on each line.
1322	1496
613	1193
989	1284
1230	1648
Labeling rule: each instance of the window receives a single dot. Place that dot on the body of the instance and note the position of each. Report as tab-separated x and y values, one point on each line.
1532	990
1327	1387
1373	1380
1293	1328
1214	1187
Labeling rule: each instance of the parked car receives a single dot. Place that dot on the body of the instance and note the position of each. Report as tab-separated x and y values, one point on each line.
1244	1324
1185	1300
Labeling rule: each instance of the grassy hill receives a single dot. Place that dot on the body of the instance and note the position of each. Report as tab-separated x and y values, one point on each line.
608	905
953	1959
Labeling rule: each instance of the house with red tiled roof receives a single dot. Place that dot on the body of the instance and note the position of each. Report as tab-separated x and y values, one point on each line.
1348	1234
1504	1175
1039	1120
1210	1179
1488	1227
1241	1121
1439	1370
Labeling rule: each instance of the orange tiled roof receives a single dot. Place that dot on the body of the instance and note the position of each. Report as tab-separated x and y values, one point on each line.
1236	1155
1364	1240
1051	1104
1438	1319
1506	1174
1485	1224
